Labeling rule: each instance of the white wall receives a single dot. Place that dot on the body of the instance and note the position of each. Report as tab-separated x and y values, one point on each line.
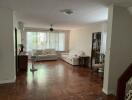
103	38
81	39
15	25
119	47
19	37
7	58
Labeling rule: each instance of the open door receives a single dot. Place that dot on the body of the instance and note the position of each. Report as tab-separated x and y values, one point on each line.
16	57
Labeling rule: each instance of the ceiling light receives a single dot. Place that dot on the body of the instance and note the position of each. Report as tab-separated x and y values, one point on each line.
51	29
67	11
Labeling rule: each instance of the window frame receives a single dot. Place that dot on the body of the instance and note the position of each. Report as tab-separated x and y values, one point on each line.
59	32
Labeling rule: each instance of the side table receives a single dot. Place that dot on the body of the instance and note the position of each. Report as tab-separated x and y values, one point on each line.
22	62
84	60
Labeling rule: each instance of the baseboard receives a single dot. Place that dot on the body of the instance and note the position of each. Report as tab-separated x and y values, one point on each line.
108	92
104	91
8	81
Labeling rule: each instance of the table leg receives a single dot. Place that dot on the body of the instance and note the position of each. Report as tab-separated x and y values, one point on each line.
33	68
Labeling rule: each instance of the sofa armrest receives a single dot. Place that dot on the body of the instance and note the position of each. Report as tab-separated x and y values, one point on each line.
64	53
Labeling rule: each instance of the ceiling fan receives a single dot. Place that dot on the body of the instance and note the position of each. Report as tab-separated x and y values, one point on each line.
51	28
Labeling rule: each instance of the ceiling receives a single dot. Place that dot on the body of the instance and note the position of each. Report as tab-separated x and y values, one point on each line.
42	13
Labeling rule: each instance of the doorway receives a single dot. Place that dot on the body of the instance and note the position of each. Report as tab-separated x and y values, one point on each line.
16	48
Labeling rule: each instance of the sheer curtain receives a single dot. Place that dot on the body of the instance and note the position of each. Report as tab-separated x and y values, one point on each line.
45	40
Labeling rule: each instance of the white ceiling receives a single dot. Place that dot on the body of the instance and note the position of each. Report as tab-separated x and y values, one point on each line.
42	13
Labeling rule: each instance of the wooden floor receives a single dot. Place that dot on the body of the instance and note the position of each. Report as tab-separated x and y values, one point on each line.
55	80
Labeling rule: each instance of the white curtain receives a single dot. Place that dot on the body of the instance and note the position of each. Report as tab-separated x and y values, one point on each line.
46	40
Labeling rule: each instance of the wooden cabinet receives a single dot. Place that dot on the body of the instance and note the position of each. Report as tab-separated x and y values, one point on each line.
84	60
22	62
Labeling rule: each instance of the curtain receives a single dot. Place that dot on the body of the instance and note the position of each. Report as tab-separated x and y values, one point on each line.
45	40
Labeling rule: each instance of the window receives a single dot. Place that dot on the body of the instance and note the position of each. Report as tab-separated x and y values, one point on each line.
46	40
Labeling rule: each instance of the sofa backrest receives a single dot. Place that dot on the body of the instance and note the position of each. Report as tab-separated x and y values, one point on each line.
44	52
37	52
50	51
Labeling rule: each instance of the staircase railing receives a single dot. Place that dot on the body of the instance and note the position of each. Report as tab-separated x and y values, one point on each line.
122	81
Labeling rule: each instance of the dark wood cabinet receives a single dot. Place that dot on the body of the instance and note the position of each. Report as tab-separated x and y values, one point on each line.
84	61
22	62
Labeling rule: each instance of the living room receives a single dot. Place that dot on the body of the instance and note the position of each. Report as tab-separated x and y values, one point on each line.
64	57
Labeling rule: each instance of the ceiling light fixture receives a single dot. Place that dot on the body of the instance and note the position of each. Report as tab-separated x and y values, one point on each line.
67	11
51	29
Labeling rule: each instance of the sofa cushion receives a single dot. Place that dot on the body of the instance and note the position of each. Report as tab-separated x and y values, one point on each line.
37	52
50	51
44	52
70	58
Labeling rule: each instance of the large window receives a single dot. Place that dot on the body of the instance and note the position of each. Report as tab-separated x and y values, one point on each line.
46	40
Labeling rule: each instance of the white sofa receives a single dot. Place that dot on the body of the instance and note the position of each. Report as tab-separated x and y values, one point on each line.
47	54
72	57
